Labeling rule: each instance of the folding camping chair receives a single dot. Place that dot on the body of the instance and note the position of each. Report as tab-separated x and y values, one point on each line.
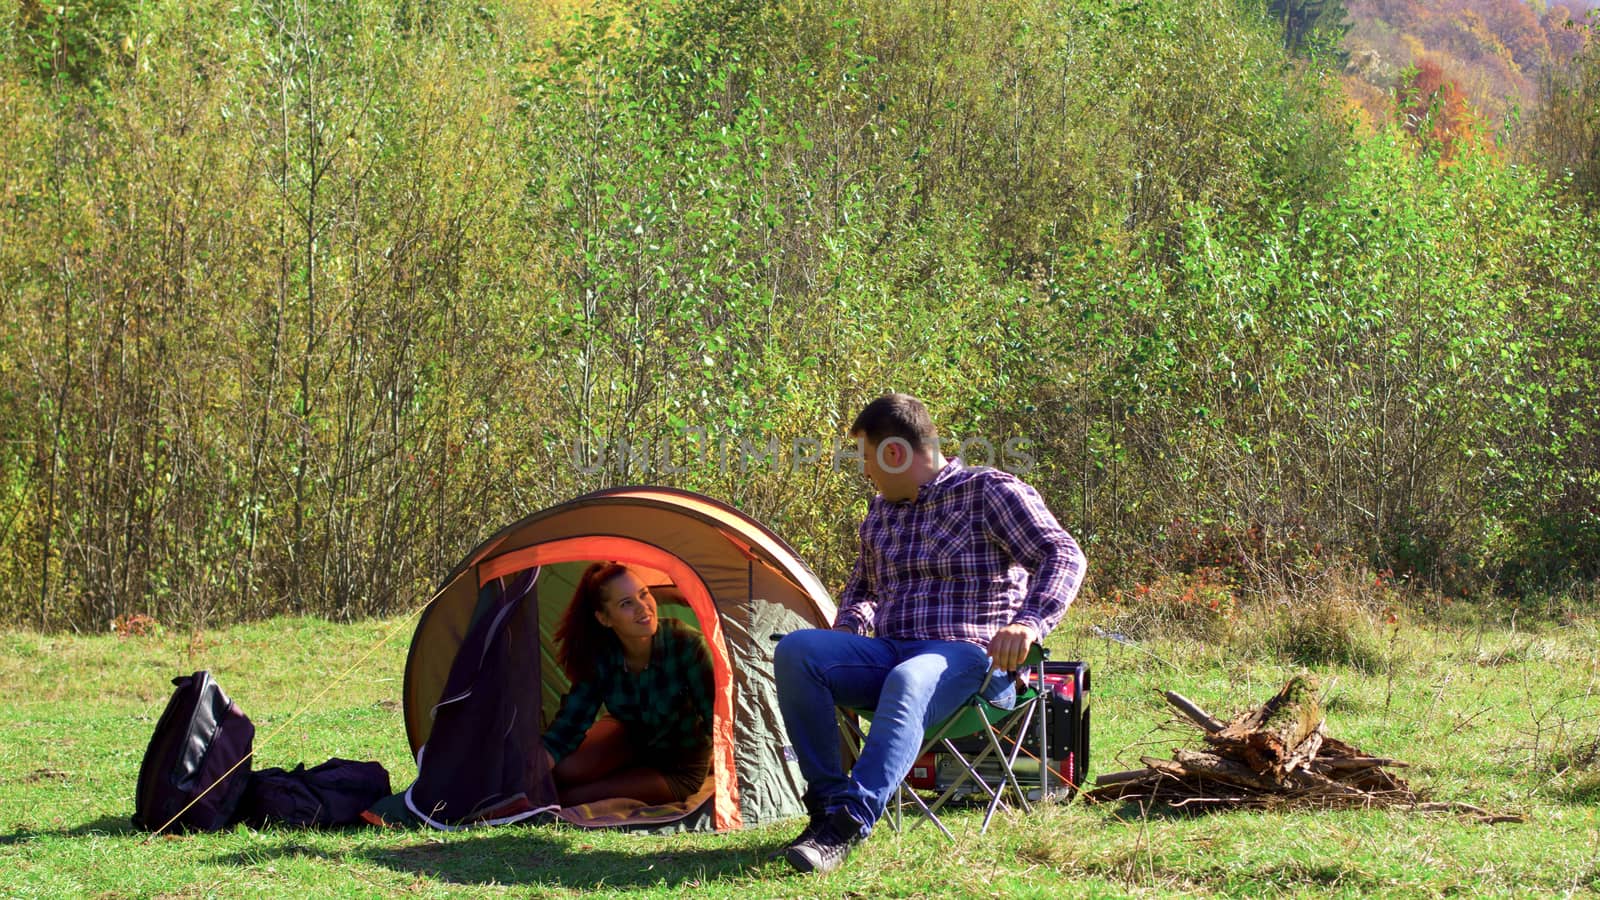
1001	735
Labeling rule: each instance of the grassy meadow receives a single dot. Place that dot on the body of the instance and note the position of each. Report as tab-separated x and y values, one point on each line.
1499	711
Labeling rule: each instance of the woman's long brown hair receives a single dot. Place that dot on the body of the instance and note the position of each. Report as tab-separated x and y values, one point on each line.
580	638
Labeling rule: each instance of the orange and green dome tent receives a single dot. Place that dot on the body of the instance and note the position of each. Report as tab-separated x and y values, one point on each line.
488	634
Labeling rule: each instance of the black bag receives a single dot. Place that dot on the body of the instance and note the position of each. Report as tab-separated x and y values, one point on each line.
1068	686
199	754
332	794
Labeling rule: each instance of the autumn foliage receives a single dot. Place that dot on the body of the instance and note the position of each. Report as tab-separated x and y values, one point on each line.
1434	108
1493	51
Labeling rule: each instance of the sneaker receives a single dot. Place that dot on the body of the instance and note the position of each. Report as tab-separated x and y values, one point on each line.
816	815
829	847
809	833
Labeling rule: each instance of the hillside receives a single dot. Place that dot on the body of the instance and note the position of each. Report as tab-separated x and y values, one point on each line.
1495	51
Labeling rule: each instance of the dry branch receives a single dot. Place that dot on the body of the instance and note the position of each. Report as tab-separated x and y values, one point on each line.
1193	711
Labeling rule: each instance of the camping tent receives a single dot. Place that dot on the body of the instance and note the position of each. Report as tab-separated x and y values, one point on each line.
487	638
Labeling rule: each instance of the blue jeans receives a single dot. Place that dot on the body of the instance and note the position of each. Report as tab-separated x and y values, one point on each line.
912	685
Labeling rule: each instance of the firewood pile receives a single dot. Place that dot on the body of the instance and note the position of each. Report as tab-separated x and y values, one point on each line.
1277	755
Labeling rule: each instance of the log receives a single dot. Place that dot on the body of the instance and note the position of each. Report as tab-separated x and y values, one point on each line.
1193	712
1127	789
1327	764
1227	770
1333	747
1165	766
1282	722
1314	785
1111	778
1302	756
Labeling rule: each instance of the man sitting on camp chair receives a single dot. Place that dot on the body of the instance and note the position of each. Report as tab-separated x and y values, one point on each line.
961	570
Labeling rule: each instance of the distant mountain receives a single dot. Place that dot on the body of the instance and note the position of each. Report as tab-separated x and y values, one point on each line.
1492	51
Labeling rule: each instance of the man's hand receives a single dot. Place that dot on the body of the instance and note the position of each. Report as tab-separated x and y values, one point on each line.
1010	646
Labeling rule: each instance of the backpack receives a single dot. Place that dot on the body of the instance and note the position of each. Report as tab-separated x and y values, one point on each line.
198	755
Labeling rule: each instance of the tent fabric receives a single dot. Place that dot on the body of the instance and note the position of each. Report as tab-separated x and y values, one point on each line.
489	763
729	576
773	781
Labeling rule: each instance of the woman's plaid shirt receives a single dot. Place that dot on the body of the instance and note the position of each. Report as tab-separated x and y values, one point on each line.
974	552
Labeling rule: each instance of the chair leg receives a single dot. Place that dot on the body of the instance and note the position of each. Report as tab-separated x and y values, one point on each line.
1009	769
928	812
851	730
850	736
931	811
1010	774
900	807
969	772
855	738
1043	701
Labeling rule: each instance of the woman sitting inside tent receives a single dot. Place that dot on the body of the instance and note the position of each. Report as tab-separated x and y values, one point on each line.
654	679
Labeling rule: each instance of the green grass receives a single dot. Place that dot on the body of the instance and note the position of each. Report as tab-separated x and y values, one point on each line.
1501	717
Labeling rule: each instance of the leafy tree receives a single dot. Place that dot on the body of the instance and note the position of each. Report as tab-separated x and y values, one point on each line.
1434	109
1315	27
77	41
1566	128
298	301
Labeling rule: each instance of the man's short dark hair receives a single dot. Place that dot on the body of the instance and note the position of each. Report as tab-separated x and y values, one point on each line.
897	415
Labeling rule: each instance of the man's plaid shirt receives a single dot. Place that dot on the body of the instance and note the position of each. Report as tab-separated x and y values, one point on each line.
974	552
666	709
